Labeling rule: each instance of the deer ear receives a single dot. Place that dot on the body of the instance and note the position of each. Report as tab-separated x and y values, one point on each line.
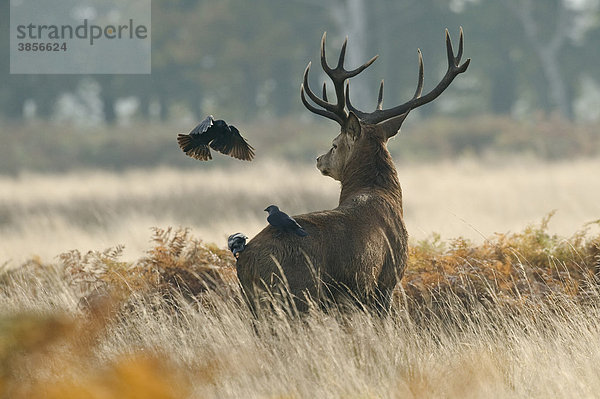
392	126
353	126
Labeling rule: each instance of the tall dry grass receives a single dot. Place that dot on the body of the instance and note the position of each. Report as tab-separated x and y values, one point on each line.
513	317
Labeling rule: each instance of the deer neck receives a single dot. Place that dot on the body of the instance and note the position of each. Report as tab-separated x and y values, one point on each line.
371	171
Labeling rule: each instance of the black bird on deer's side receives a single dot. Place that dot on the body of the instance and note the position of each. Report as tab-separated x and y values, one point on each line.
217	135
283	222
236	243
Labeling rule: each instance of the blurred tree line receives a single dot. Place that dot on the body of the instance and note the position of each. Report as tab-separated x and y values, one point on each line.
245	59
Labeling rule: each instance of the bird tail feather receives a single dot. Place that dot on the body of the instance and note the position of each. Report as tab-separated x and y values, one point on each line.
196	151
201	152
185	142
301	232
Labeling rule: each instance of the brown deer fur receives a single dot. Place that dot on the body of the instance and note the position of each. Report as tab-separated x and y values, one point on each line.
358	250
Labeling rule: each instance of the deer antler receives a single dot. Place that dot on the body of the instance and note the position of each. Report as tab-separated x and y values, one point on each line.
454	68
338	75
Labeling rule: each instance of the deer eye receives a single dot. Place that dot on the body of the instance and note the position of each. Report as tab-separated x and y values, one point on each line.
334	146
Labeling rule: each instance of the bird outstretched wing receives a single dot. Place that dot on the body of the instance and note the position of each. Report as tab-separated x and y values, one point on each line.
204	125
195	143
230	142
219	136
192	148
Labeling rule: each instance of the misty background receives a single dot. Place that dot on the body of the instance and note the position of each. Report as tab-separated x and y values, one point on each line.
534	75
93	162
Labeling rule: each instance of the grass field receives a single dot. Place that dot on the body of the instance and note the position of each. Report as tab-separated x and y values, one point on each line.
45	215
507	315
513	317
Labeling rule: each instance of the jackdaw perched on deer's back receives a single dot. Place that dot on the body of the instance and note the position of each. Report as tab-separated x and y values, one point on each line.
283	222
357	251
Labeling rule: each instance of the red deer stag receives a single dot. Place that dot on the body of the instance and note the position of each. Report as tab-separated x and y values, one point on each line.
359	249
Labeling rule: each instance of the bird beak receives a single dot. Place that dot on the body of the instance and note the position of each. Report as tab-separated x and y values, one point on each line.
266	209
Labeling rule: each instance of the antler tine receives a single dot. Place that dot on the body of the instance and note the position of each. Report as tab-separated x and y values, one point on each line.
332	108
340	64
330	111
338	82
453	62
449	49
357	112
316	110
339	73
419	89
354	72
338	76
364	115
460	47
454	69
380	96
323	58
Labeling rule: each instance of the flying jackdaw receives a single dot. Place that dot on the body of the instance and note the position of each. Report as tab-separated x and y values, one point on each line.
236	243
219	136
282	222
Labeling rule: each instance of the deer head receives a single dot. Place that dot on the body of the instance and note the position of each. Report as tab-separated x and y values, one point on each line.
362	131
